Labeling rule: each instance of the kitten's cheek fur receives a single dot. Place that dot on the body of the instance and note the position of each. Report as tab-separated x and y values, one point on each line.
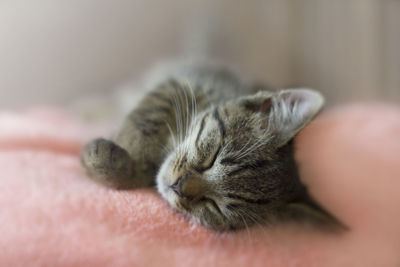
162	181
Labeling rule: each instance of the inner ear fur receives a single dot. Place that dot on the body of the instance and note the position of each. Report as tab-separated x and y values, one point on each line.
287	111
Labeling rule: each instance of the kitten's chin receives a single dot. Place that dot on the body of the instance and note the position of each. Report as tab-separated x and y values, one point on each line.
220	227
163	186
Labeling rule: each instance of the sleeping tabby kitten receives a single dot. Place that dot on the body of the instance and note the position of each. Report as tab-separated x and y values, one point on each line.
216	150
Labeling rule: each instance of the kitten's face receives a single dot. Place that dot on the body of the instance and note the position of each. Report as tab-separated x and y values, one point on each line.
234	168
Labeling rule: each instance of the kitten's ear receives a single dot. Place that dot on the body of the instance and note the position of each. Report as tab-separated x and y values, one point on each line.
291	111
288	111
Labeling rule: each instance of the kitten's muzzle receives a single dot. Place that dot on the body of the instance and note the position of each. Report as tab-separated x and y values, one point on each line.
177	187
187	186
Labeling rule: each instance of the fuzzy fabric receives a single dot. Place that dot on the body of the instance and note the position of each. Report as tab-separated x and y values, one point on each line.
52	215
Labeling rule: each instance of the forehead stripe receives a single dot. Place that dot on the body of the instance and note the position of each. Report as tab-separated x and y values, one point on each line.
200	131
220	123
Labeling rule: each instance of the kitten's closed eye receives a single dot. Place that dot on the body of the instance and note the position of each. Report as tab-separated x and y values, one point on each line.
208	163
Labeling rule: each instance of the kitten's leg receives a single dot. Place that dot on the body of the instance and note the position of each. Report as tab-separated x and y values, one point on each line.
109	164
132	159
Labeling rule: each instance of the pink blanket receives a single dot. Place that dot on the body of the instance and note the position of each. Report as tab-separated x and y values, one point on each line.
52	215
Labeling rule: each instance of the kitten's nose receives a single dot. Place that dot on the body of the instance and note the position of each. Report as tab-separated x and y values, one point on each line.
187	186
177	187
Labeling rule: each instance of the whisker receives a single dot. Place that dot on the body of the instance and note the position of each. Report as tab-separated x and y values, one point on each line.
226	145
256	220
171	133
243	149
186	103
251	148
245	224
178	119
193	107
260	142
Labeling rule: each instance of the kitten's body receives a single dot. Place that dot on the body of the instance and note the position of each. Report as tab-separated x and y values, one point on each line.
223	155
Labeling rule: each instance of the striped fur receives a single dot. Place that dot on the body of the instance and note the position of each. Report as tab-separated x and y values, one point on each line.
217	152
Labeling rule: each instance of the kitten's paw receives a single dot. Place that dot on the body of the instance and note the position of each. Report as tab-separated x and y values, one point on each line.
108	163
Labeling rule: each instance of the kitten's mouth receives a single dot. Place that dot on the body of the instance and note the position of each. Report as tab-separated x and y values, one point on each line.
179	204
182	201
178	201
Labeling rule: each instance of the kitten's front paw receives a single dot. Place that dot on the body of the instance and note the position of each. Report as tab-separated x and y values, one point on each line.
108	163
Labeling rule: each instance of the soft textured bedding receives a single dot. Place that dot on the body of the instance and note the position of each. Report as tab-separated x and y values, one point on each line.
52	215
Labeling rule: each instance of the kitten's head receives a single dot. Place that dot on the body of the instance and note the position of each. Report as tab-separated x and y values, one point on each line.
235	167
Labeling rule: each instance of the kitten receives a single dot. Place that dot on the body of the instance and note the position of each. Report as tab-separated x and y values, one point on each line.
218	152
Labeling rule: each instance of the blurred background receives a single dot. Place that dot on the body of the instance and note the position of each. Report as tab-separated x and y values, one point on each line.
55	52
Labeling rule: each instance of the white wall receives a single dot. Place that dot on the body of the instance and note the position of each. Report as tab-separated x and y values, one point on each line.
56	51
